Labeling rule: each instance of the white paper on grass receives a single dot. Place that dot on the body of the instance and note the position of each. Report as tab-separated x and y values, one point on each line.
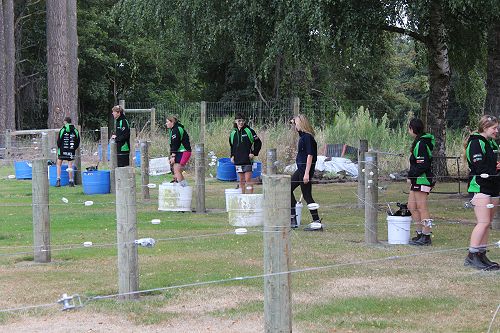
159	166
336	164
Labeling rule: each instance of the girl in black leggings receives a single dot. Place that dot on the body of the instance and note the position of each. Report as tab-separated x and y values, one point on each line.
307	154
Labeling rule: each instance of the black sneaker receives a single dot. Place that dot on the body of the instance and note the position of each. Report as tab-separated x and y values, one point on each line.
314	226
486	260
417	237
424	240
474	260
58	183
293	222
71	183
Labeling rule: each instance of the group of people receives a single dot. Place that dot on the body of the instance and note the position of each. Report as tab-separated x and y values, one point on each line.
480	153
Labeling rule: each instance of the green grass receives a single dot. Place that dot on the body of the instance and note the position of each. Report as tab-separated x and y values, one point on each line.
384	296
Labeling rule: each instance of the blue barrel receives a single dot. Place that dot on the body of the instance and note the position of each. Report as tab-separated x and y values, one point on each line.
23	170
137	155
256	169
226	170
64	175
96	182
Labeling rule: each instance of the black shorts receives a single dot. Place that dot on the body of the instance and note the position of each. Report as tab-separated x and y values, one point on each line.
243	168
421	188
123	159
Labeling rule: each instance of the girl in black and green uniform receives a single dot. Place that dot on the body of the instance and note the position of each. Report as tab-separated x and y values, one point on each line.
480	151
180	148
421	179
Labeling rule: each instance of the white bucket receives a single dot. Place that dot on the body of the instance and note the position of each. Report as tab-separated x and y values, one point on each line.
230	192
398	229
298	212
174	197
246	210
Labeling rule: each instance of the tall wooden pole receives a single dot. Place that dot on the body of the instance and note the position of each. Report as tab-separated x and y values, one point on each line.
271	168
200	177
133	135
41	217
145	169
277	294
363	148
104	147
126	231
203	120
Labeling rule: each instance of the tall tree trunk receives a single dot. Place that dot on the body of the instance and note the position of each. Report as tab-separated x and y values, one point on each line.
492	103
73	60
3	80
57	63
439	82
10	63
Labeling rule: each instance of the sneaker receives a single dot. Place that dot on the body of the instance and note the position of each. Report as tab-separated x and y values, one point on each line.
417	237
486	260
424	240
314	226
58	183
474	260
71	183
293	222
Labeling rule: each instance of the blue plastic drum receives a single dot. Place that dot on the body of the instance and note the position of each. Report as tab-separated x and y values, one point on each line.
256	169
226	170
64	175
23	170
96	182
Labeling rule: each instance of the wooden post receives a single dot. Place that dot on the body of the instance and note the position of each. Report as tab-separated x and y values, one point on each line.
296	106
371	197
41	218
45	146
363	148
277	295
126	232
145	169
113	162
153	120
271	168
133	136
104	146
203	120
200	177
77	164
8	144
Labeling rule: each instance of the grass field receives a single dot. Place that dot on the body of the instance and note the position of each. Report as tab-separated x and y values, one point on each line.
361	289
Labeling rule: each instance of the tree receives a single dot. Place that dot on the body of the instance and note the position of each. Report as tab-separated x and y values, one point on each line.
72	60
10	60
3	79
492	103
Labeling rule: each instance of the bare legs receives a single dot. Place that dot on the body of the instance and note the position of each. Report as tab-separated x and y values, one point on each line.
246	184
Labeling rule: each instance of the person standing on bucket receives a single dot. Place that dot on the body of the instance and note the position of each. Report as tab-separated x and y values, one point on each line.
180	148
122	136
420	177
68	142
245	145
307	154
480	151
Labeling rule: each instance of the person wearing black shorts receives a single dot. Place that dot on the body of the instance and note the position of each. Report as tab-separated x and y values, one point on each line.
180	148
245	145
480	151
420	177
307	154
68	142
122	136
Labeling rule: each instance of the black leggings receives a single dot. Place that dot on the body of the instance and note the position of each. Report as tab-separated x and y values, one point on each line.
298	179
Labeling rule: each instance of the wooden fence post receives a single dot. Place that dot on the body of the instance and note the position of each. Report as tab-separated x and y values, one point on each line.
126	232
296	106
133	136
41	217
153	120
271	168
77	165
371	197
200	177
277	295
203	121
113	162
45	146
363	148
145	169
104	146
8	144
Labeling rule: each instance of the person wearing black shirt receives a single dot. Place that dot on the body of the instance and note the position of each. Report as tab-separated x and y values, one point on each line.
180	148
122	136
245	145
307	154
480	151
68	142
